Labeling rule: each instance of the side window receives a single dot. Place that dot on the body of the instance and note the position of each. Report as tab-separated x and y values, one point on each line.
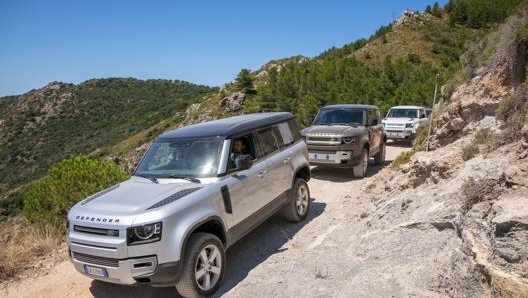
265	142
283	134
370	116
294	129
241	145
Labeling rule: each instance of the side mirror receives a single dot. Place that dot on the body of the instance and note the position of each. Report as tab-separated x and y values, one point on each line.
374	121
422	116
310	120
243	162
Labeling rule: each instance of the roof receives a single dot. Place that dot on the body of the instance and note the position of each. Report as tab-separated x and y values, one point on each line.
227	127
349	106
407	107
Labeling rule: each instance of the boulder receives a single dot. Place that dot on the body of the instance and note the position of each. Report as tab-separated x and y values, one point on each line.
233	102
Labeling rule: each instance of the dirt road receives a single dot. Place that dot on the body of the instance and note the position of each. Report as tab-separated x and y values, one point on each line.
319	257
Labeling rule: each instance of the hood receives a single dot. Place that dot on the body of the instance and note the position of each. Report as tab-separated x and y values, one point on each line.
399	120
332	130
130	198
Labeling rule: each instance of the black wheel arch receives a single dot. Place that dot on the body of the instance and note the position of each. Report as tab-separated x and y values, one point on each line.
212	225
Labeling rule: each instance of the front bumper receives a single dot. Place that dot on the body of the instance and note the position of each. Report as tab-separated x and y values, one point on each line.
334	158
132	271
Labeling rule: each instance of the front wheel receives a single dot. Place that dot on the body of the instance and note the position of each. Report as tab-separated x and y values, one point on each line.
203	266
360	171
299	202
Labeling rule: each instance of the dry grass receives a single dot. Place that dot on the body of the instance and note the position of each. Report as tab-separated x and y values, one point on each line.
469	151
24	242
479	190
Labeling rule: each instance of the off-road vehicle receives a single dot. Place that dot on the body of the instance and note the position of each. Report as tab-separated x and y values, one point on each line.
402	122
346	136
196	191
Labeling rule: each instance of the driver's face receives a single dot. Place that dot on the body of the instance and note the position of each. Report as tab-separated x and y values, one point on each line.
238	146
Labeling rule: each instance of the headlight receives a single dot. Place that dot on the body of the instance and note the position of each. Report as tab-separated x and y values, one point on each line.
409	125
348	140
144	234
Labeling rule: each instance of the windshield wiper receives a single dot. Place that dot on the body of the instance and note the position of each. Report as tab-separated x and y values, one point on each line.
151	178
190	179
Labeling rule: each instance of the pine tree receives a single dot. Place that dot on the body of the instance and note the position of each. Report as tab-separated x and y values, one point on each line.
244	81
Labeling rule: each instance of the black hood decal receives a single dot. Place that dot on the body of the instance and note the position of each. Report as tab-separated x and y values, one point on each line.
102	192
180	194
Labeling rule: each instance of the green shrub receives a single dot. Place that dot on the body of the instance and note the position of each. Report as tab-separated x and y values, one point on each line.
469	151
67	183
402	159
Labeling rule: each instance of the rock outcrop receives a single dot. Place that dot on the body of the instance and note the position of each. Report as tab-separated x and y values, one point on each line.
233	102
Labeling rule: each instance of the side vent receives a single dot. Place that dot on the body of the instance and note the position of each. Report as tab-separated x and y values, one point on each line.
102	192
174	197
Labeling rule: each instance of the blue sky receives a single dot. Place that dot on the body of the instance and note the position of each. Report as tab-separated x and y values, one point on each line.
204	42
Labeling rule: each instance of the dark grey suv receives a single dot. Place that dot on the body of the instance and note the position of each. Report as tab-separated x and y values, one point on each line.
346	136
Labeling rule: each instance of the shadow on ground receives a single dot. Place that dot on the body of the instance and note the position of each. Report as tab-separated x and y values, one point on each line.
341	175
263	242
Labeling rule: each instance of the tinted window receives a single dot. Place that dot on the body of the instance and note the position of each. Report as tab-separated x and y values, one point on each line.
265	142
296	134
283	134
339	117
403	113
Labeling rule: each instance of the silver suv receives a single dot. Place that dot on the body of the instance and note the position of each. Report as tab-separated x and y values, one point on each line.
197	190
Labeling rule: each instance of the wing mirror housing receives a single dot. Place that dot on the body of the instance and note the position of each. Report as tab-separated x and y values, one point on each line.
243	162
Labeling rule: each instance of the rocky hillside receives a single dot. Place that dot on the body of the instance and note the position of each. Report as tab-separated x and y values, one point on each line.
43	126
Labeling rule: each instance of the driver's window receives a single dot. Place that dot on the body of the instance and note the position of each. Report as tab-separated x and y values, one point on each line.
241	145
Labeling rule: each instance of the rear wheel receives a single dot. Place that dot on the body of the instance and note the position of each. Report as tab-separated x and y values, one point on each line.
379	158
203	266
299	203
360	171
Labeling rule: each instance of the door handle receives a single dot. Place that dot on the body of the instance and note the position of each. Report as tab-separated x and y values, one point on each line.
261	174
286	160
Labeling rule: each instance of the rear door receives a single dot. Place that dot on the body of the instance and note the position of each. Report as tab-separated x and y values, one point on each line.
375	130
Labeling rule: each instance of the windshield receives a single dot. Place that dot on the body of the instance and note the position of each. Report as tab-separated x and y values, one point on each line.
181	159
403	113
339	117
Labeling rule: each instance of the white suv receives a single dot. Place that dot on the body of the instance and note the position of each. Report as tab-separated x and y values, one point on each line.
197	190
402	122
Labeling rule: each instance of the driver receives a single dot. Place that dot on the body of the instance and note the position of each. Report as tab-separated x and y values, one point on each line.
239	148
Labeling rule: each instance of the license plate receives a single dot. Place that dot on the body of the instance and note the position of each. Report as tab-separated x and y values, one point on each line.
101	272
393	134
321	156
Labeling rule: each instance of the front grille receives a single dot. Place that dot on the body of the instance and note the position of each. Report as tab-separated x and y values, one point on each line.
96	231
320	139
388	130
95	260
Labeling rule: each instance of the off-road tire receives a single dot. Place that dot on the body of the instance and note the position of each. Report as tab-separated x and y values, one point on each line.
188	286
360	171
299	202
379	158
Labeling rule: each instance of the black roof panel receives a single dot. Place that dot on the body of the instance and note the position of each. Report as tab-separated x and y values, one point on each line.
227	127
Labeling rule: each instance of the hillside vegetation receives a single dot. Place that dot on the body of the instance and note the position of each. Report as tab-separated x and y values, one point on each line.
44	126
